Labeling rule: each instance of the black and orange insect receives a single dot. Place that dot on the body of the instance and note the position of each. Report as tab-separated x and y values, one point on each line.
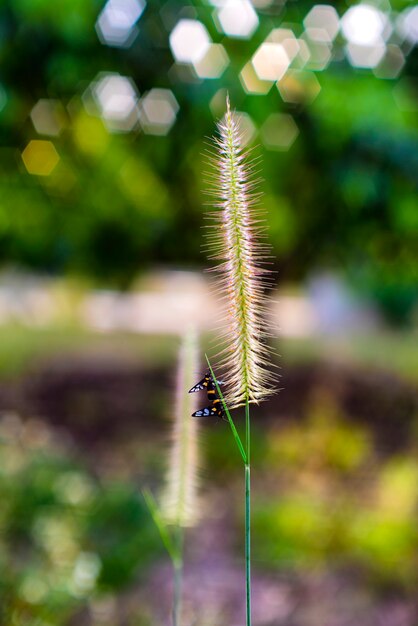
206	383
215	408
202	384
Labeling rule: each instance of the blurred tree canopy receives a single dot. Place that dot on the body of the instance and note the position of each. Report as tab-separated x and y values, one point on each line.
81	195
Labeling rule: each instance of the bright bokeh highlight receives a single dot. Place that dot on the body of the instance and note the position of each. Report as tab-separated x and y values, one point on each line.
158	111
47	117
237	18
365	56
364	25
116	24
116	97
286	38
251	83
189	41
214	63
408	24
322	23
270	61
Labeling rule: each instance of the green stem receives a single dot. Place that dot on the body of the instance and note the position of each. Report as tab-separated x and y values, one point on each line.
248	514
246	458
230	420
247	432
178	579
160	525
174	547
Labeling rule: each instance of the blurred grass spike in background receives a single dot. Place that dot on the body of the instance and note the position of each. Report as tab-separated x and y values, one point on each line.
178	503
179	500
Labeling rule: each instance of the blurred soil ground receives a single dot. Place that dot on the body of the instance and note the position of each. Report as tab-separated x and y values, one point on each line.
98	400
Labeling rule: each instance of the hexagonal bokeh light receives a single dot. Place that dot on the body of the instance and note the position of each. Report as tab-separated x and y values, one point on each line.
47	117
320	54
116	97
408	24
237	18
287	39
158	111
279	132
40	157
303	56
364	25
116	24
189	41
214	63
322	23
365	56
251	83
299	86
270	61
391	64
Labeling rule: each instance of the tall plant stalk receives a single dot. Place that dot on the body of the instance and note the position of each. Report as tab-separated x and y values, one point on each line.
237	247
245	455
248	513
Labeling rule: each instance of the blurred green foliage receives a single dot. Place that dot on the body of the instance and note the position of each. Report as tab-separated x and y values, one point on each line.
336	503
66	539
343	196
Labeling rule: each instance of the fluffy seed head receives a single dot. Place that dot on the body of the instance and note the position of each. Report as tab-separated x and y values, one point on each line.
179	500
236	243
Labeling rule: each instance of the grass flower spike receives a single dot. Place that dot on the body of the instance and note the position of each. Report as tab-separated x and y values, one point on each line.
178	504
236	242
237	246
